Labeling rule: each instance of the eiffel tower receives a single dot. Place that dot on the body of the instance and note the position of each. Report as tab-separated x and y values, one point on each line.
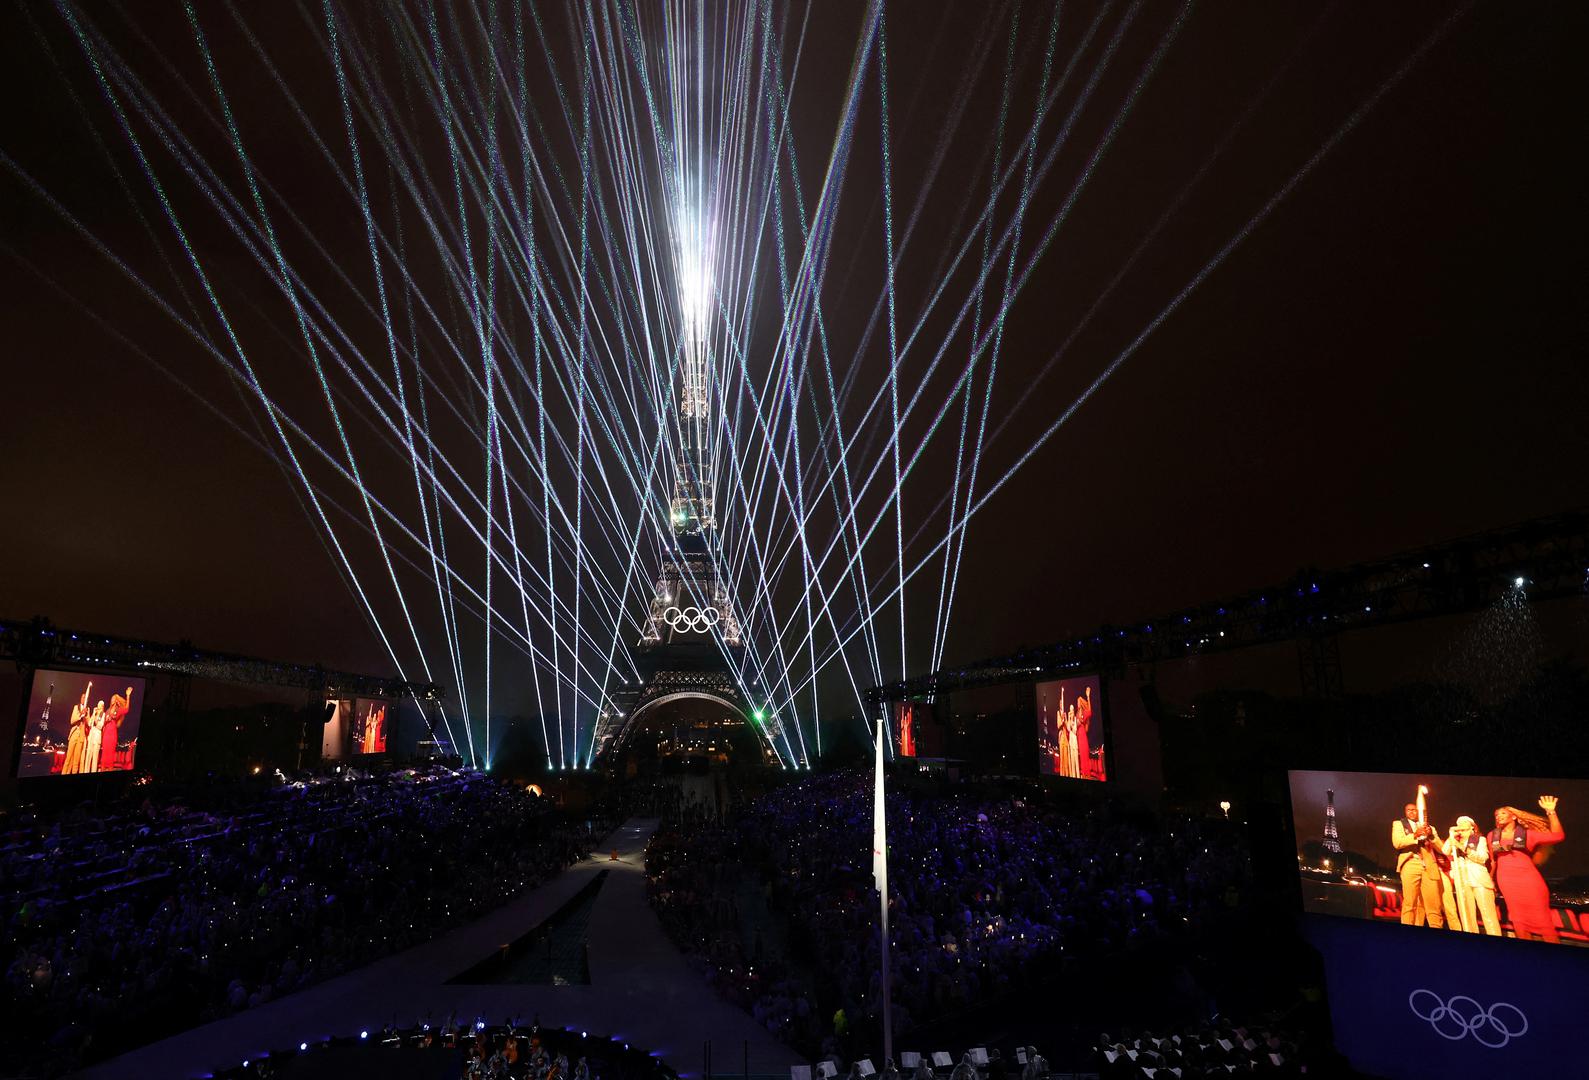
690	646
1332	839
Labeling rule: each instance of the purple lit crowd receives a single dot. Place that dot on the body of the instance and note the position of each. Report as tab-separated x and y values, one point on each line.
125	924
988	891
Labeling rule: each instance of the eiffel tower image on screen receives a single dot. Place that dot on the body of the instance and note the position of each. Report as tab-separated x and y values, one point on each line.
1332	839
690	645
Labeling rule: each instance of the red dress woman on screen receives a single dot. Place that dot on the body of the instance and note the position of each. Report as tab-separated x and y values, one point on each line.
114	715
1517	836
1083	723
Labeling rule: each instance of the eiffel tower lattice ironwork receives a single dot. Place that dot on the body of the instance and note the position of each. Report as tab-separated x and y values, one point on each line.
691	644
1332	838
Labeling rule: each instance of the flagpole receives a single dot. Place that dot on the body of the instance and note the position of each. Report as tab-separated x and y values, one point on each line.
880	878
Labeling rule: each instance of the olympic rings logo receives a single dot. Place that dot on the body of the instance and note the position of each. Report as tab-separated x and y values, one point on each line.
692	619
1462	1016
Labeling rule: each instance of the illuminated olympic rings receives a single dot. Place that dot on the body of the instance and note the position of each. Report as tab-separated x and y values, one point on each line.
692	619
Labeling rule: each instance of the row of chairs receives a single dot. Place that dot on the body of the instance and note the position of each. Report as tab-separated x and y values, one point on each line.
1572	924
940	1061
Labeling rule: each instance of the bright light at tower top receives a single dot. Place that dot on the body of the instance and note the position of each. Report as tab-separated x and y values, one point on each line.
695	271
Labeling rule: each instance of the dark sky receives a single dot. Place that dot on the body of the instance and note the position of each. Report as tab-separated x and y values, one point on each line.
1367	803
1394	356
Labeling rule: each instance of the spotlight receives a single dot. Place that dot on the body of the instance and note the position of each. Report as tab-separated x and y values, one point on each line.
303	1046
364	1034
1517	582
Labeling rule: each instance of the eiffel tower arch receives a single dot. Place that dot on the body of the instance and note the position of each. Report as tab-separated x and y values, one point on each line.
689	649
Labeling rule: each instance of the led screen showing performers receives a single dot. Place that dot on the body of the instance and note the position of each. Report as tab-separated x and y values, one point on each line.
369	727
917	733
1070	737
1475	854
906	732
80	722
334	737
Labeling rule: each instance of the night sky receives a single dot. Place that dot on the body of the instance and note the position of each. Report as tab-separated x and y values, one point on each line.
1394	356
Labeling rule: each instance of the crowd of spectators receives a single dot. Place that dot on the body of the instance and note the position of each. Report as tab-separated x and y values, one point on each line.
128	922
515	1050
989	892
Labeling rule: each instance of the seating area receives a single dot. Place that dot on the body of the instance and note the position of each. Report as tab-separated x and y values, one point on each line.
1214	1051
452	1047
129	922
991	891
1201	1052
529	1051
976	1063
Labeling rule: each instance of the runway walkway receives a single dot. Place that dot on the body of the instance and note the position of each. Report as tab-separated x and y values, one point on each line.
640	988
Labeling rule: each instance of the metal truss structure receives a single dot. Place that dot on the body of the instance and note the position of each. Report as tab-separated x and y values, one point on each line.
35	643
1538	560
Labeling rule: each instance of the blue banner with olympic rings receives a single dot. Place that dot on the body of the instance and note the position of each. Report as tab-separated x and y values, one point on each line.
1441	1003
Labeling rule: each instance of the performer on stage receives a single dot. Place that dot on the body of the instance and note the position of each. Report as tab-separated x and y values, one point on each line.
92	738
1083	748
1471	884
1416	847
374	737
1514	845
78	735
1065	735
120	705
1070	765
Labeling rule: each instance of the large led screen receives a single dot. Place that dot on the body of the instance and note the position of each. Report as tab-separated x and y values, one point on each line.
335	734
1070	735
80	722
1485	855
917	733
907	728
369	727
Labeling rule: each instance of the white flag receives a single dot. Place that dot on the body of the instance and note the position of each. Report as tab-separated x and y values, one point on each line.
879	826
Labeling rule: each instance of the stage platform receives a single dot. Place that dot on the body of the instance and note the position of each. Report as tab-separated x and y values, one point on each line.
641	989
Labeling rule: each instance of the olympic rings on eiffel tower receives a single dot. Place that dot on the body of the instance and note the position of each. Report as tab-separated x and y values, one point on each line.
691	619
